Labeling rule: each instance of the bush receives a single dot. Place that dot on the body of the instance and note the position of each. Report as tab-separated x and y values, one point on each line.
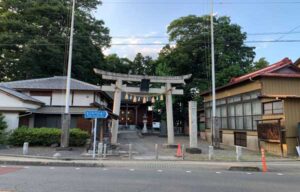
78	137
45	136
3	127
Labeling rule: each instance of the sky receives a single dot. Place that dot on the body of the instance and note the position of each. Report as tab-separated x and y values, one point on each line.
146	21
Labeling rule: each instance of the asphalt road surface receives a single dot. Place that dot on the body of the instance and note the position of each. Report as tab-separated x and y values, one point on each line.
143	179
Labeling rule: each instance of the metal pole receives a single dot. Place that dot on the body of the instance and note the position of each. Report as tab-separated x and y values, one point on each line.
66	119
95	134
215	140
183	151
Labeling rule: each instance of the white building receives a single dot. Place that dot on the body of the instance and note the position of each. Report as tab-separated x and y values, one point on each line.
40	102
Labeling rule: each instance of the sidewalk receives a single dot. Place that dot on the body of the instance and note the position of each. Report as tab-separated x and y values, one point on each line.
143	149
33	161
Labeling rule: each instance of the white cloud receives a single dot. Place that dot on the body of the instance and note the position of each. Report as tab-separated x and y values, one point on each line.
127	47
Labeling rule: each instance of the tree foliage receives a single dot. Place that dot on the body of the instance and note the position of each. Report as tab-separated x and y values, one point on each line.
192	54
261	63
142	65
34	38
116	64
192	51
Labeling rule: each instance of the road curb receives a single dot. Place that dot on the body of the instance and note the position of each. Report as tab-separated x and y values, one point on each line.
56	164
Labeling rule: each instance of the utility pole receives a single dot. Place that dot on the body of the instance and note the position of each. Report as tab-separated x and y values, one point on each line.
214	128
66	117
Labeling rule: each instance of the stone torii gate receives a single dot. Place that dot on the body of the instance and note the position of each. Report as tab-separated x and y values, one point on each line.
118	87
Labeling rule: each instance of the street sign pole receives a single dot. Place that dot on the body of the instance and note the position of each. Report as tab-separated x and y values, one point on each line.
95	134
93	114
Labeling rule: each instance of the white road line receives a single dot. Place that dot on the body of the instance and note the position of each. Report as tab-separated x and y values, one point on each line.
131	169
26	167
3	166
280	174
160	170
51	167
188	171
104	169
249	173
77	168
218	172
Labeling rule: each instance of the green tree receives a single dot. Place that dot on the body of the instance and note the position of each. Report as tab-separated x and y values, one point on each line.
34	38
3	127
143	65
192	52
260	64
117	64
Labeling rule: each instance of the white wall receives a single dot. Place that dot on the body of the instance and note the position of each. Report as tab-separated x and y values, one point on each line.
58	98
83	98
9	101
12	120
13	102
45	99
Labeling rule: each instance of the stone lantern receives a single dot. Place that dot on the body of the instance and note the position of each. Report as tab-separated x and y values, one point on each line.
145	124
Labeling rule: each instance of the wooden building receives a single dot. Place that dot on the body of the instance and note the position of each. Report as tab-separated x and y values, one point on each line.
43	102
261	108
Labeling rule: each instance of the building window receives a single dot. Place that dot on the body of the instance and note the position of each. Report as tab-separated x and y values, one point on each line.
231	120
275	107
208	118
240	139
239	112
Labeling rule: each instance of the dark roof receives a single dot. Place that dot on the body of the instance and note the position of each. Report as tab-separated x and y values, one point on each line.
53	83
269	71
19	95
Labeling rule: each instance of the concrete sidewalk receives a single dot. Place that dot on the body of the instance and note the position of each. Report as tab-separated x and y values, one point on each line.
291	165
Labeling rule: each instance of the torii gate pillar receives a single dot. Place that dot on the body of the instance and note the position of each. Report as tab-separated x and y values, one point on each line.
116	110
169	108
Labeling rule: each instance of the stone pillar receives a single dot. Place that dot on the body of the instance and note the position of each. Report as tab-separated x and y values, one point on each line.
116	110
193	132
169	108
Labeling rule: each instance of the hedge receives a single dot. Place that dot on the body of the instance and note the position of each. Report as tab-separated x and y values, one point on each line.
46	136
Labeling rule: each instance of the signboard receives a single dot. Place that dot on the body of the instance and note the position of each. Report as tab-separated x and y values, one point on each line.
156	125
269	132
95	114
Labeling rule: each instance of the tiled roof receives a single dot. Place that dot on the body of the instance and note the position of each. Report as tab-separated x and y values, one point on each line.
19	95
52	83
266	70
269	71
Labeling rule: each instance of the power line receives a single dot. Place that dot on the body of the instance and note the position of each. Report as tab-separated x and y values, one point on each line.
165	36
196	2
167	43
291	31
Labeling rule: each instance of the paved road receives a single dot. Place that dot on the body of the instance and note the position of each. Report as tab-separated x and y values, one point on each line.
142	179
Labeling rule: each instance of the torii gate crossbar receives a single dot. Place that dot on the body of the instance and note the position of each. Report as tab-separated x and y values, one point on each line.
118	87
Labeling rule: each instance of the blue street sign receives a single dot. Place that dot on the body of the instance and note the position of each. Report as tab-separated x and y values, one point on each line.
95	114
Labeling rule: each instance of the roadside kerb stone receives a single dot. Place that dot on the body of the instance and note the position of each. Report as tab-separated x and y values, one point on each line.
244	168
